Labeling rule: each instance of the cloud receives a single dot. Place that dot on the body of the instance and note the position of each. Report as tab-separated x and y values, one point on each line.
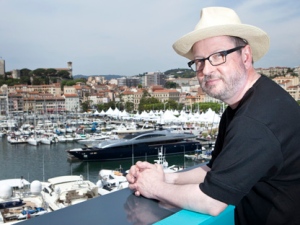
128	37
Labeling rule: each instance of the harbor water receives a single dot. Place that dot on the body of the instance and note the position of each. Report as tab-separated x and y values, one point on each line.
46	161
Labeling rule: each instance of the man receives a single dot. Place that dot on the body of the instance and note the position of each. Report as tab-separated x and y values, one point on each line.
256	161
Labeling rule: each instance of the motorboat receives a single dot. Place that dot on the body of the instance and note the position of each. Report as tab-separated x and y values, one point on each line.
140	144
20	200
61	138
130	128
95	139
48	138
111	180
16	139
69	138
33	140
203	154
60	192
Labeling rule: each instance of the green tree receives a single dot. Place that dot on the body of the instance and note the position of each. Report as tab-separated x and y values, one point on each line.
204	106
64	74
37	81
25	72
170	84
86	105
129	106
39	72
51	72
149	103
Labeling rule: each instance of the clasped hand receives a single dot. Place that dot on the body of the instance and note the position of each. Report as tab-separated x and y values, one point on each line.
145	179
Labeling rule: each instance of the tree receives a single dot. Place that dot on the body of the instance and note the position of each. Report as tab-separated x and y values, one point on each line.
204	106
39	72
86	105
105	106
129	106
148	103
64	74
51	72
25	72
170	84
37	81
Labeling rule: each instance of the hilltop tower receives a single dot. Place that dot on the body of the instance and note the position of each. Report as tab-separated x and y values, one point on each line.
2	66
70	69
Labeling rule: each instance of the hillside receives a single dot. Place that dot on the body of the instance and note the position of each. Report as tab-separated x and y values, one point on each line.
107	77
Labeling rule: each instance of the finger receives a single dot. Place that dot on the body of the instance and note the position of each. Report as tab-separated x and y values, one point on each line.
137	193
130	178
133	171
145	165
132	186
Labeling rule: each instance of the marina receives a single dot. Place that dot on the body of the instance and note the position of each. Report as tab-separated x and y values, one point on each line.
42	162
39	153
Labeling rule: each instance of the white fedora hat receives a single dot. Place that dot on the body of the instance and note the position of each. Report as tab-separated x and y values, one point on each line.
219	21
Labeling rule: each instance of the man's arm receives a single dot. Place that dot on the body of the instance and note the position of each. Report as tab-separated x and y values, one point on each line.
181	190
188	196
194	176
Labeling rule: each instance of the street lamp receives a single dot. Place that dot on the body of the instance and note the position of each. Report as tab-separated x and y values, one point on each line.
165	105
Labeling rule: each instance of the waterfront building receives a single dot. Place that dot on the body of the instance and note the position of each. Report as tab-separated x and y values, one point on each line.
163	95
71	102
44	103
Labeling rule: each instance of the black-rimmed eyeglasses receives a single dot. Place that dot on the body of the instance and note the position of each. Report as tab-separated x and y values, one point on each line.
215	59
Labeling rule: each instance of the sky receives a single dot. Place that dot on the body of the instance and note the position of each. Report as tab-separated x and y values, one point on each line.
131	37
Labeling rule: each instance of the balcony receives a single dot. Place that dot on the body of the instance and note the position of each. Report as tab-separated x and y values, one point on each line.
124	208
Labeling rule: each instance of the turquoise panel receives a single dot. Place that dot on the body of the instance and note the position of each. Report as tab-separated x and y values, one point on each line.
193	218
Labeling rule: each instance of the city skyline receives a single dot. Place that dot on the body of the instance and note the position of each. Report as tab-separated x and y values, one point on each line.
129	38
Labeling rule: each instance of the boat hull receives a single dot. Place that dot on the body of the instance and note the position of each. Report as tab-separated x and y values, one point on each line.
135	150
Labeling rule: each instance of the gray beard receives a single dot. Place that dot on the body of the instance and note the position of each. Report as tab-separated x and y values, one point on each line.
231	86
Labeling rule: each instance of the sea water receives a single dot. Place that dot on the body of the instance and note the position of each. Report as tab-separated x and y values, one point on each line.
46	161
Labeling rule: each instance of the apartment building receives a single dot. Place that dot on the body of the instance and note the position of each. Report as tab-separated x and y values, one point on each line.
53	89
45	103
164	95
71	102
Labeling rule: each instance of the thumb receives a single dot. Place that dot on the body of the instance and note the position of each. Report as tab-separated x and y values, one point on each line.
145	165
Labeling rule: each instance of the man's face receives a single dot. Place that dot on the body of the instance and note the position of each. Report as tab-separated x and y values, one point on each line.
224	81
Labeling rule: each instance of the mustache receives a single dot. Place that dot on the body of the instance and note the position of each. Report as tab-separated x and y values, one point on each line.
210	77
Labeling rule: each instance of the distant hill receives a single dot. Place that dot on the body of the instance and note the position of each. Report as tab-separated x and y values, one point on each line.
107	77
179	72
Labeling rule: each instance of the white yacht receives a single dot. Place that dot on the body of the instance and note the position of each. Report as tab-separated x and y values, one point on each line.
20	200
60	192
110	181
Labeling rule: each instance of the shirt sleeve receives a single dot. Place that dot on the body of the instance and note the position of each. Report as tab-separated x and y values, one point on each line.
250	153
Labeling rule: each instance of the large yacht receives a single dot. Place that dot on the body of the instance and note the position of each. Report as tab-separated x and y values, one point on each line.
141	144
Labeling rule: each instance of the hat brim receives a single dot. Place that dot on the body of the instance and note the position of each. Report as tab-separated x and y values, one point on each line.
257	38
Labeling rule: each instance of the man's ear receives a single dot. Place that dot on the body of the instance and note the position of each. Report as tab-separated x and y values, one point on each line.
247	56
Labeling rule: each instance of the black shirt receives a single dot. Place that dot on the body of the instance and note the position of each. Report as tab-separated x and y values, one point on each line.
256	161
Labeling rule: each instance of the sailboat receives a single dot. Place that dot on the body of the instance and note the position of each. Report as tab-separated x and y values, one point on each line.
33	140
